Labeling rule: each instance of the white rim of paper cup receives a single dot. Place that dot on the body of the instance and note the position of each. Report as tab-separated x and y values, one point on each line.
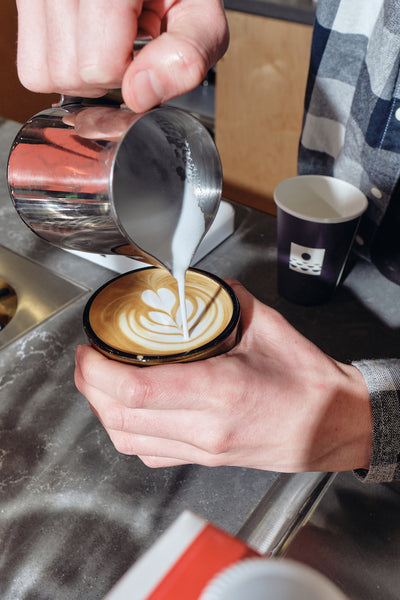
294	196
308	581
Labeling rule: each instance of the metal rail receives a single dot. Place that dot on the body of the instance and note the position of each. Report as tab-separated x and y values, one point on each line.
284	509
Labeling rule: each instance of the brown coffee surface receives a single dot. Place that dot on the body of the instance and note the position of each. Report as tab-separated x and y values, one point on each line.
139	313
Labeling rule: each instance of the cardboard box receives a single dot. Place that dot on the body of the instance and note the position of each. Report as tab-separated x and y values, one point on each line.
181	563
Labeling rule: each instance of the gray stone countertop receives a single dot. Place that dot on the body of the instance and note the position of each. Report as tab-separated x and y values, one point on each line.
75	514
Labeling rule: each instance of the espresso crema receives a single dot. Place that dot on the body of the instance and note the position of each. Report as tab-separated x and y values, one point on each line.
139	313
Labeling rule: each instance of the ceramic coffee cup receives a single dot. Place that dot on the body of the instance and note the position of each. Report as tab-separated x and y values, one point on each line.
136	317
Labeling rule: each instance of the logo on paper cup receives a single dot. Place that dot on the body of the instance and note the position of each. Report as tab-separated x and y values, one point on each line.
306	260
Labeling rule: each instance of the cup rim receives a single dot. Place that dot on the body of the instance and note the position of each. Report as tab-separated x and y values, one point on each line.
149	359
361	198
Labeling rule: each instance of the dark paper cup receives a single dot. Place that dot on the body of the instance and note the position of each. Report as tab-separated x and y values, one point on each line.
317	220
135	319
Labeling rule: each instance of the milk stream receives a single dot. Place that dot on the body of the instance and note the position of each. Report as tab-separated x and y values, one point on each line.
188	234
180	279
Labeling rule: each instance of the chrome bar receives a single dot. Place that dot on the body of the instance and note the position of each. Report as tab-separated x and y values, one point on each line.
284	509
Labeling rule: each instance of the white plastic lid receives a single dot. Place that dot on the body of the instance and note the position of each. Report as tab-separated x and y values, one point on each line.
270	579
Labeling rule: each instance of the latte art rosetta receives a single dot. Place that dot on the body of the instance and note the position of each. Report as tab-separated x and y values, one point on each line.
139	313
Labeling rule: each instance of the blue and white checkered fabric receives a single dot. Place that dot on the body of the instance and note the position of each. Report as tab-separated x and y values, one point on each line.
352	119
351	130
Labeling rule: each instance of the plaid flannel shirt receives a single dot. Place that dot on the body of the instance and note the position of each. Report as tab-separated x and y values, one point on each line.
351	130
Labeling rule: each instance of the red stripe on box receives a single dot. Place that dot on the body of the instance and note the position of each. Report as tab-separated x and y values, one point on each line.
212	551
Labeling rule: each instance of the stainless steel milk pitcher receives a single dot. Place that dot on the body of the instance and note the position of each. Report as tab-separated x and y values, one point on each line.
94	176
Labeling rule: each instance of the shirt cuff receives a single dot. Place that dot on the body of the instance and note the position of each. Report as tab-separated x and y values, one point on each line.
383	382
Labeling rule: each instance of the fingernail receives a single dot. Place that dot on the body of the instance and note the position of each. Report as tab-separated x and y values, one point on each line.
147	90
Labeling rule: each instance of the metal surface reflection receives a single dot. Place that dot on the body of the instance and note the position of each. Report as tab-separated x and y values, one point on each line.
8	303
104	179
40	292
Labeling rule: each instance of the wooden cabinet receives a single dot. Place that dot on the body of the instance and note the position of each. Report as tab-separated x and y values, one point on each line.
16	102
259	105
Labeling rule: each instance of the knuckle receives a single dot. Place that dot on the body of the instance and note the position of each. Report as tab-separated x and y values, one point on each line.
62	77
32	82
133	391
218	442
104	74
213	460
195	65
123	443
113	418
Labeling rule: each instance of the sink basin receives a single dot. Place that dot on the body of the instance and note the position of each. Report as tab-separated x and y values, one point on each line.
40	293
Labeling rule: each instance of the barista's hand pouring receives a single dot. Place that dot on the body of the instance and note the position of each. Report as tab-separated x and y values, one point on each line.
84	47
275	401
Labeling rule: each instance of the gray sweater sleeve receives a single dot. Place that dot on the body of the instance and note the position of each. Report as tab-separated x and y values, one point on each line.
383	381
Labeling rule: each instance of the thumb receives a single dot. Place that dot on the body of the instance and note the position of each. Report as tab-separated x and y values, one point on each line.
177	60
248	302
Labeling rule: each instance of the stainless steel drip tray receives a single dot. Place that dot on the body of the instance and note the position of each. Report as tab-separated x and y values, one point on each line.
40	293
